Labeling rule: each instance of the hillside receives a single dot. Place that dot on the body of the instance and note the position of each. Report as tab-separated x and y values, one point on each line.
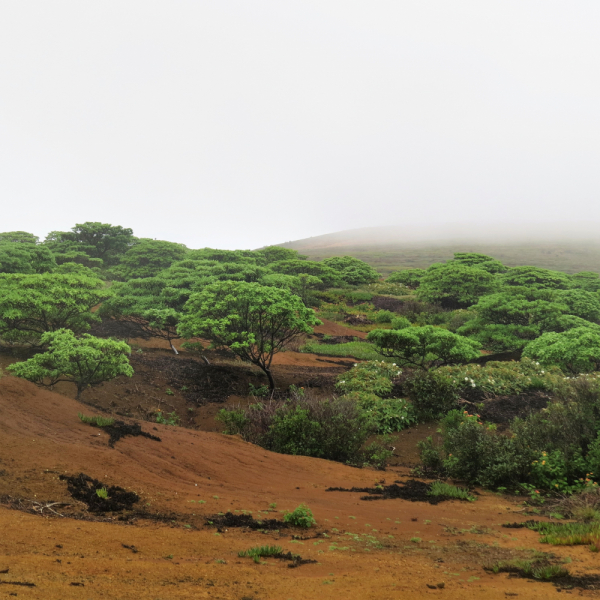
564	247
52	545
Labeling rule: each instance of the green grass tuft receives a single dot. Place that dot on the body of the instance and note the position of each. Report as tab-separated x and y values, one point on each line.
439	488
529	568
258	552
96	421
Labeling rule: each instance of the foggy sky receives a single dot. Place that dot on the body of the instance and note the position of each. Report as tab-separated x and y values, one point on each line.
237	124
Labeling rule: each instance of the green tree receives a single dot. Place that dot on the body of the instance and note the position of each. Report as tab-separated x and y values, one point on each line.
28	258
574	351
148	258
302	285
272	254
411	278
586	280
352	270
18	237
509	320
84	361
31	305
152	305
536	277
481	261
330	277
252	320
95	240
455	285
425	347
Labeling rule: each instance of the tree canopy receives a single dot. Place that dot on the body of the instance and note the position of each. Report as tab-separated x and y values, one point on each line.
147	258
424	347
100	241
24	257
574	351
536	277
253	321
411	278
31	305
85	361
454	285
352	270
18	237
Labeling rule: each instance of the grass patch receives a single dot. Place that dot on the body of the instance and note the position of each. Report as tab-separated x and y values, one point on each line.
568	534
439	488
358	350
258	552
534	569
96	421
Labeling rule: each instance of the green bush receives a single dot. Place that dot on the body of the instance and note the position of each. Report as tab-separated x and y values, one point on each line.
358	297
477	453
384	316
374	377
335	429
432	393
388	415
556	449
400	323
301	516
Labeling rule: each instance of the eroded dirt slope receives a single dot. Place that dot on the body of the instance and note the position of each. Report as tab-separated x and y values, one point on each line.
364	549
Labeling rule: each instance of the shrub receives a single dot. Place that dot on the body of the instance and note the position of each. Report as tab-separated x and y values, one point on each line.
400	323
554	450
504	378
384	316
575	351
374	377
408	277
335	429
388	415
300	517
432	393
358	297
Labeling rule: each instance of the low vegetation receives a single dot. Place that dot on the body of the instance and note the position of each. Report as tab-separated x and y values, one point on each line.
301	516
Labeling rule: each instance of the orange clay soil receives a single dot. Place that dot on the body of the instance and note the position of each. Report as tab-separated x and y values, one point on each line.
379	549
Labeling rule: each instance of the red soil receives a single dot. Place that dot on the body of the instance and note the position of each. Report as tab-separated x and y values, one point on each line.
42	437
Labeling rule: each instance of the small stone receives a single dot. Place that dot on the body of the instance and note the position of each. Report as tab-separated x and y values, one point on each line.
441	585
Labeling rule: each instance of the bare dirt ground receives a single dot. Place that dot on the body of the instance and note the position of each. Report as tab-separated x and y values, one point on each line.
164	549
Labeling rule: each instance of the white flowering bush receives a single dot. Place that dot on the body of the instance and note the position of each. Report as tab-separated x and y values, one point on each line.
374	377
504	378
366	383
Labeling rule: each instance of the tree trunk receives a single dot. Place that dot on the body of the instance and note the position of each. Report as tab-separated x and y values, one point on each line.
173	347
271	381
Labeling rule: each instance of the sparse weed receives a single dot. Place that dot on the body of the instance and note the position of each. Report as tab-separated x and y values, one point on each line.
167	418
102	493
